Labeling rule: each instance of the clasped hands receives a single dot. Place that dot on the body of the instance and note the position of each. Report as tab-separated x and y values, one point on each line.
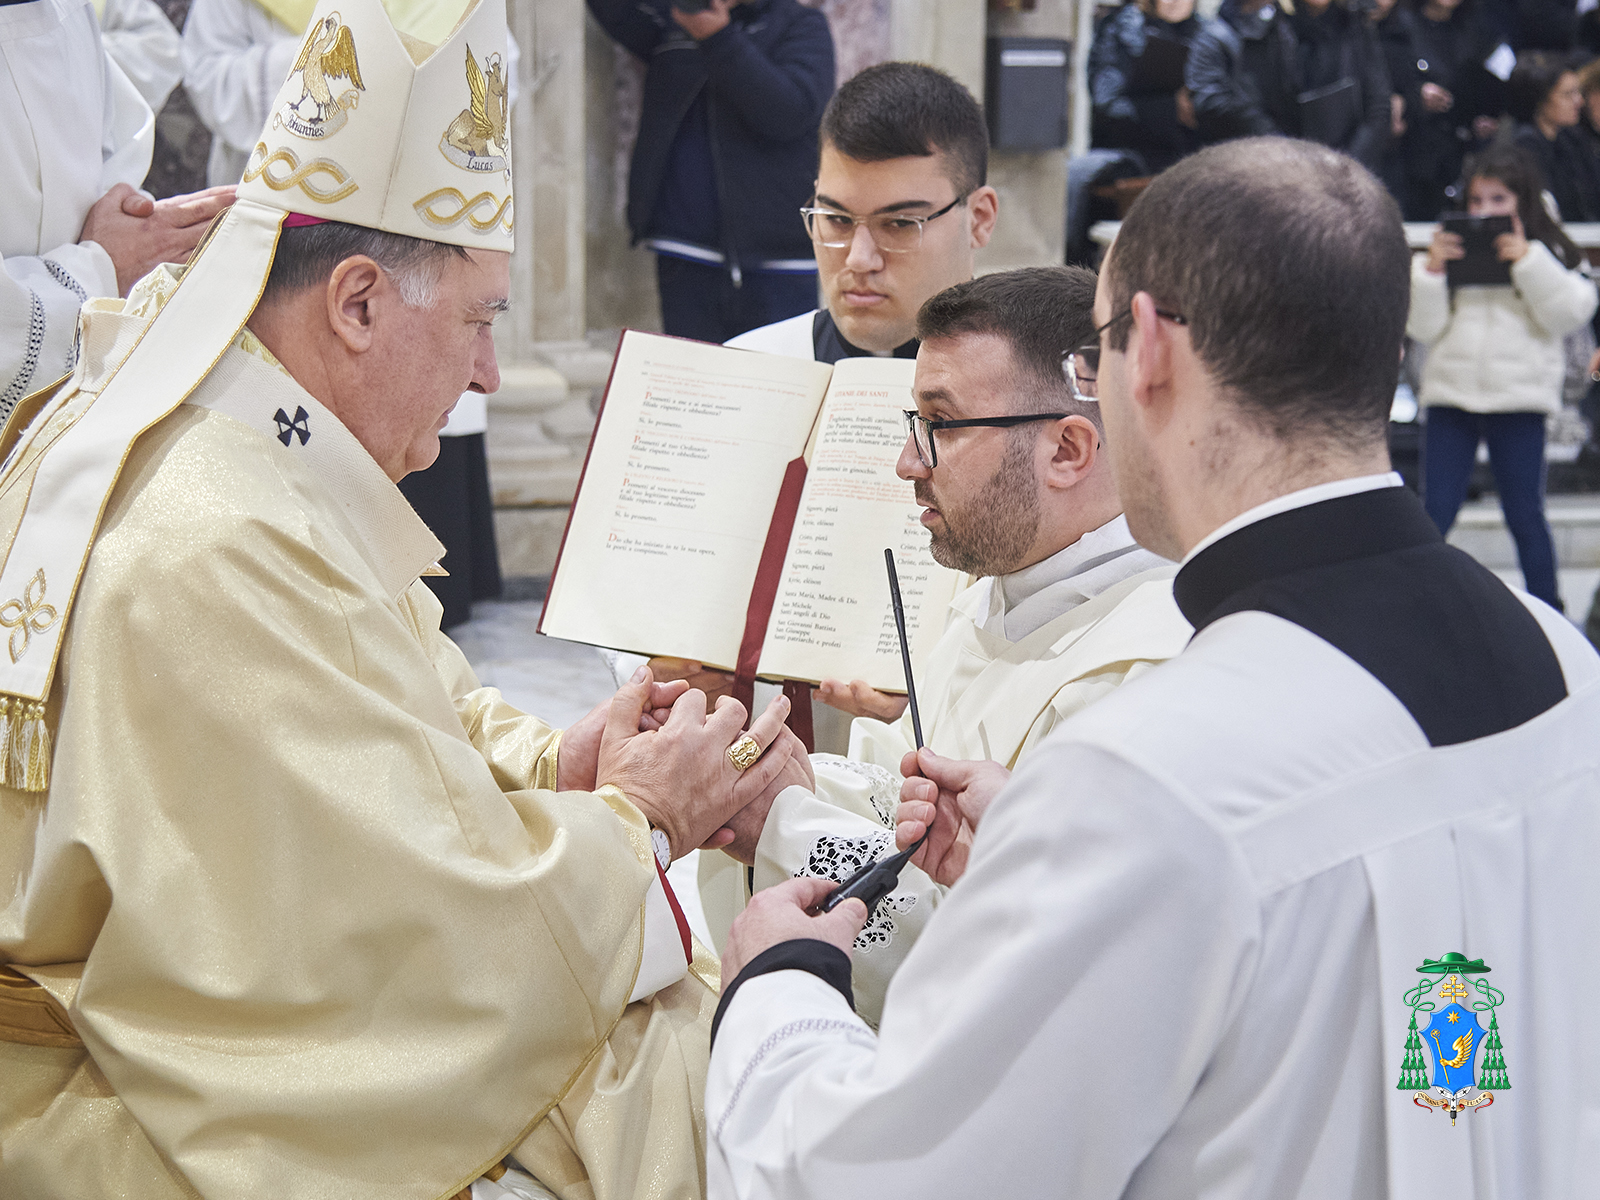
668	753
140	233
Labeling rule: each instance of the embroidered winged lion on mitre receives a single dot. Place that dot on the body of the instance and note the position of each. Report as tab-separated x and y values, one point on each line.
329	53
480	130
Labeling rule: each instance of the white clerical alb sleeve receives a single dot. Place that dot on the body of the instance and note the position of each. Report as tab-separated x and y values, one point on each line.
39	302
667	948
1031	1041
828	836
235	58
130	133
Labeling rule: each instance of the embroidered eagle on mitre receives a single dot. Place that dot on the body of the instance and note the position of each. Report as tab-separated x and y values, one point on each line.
329	53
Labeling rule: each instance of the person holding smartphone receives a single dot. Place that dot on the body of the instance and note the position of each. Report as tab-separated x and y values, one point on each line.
1495	363
727	149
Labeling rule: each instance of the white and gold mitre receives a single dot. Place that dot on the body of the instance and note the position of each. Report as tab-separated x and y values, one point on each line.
377	125
380	127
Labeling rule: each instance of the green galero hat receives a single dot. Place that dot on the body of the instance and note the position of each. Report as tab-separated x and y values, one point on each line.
1453	963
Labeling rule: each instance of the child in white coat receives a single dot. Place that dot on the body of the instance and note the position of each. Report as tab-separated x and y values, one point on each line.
1495	360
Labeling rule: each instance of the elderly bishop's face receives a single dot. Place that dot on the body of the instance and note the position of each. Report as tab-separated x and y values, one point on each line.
429	356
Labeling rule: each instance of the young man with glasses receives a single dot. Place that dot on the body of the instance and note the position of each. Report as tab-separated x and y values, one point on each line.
899	208
1006	456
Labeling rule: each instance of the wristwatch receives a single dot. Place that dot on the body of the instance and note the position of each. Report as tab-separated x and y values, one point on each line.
662	847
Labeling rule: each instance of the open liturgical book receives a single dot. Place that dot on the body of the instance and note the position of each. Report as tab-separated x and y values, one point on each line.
734	508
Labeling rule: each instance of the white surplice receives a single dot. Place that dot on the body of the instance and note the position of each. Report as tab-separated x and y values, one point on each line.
145	45
236	56
62	147
1021	653
1175	966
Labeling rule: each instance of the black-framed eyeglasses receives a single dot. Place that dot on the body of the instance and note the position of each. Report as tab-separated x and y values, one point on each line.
921	429
893	233
1081	365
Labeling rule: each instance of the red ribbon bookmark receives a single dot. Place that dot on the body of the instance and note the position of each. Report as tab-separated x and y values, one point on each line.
762	597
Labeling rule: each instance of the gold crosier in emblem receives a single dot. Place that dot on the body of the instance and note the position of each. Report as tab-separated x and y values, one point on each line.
27	616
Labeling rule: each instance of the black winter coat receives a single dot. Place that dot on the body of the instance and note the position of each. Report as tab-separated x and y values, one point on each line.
1340	44
1571	171
1243	76
1126	117
767	77
1450	54
1247	71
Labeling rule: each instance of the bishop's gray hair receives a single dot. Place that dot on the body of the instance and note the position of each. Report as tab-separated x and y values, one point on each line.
307	255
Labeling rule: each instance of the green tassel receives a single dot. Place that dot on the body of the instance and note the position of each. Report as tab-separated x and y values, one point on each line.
1413	1074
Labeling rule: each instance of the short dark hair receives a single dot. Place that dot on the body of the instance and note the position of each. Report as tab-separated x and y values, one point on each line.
1041	311
1533	79
904	109
1519	171
1290	265
307	254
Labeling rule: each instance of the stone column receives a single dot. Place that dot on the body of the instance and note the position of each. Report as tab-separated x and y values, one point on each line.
947	34
1032	228
548	158
537	426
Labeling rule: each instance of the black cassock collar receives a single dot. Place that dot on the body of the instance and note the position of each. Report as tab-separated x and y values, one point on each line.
1370	575
828	344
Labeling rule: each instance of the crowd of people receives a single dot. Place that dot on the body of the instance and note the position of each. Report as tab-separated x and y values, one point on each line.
1410	89
1449	103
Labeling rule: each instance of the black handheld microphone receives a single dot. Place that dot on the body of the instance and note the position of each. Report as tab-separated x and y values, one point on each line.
876	880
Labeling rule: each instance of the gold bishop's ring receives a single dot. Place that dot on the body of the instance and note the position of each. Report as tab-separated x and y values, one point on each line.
743	753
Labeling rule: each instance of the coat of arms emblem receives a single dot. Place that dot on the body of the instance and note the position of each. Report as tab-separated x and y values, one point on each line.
1452	1038
476	139
329	55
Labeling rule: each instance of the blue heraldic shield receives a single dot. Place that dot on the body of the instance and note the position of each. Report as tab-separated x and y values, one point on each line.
1453	1038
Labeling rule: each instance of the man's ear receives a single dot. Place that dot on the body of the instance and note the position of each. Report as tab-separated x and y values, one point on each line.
1077	449
1151	363
985	206
353	288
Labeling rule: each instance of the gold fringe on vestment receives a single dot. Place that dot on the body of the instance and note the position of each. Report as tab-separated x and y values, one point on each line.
25	743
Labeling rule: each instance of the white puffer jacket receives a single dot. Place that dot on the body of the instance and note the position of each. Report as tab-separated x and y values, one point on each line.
1499	349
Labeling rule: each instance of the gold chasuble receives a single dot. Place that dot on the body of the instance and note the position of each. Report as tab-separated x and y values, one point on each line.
290	907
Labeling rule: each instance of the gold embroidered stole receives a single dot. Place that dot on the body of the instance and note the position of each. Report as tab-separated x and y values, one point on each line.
67	448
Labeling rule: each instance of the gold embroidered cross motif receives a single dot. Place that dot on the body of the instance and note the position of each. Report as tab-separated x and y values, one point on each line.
27	616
